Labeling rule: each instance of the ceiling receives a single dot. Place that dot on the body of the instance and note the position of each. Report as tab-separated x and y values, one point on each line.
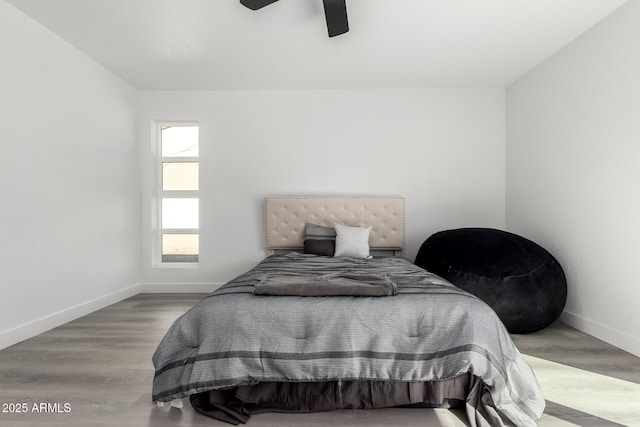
221	45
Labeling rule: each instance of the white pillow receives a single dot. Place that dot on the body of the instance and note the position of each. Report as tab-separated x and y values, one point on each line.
352	241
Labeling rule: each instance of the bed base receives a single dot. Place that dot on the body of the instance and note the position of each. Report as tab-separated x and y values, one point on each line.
237	404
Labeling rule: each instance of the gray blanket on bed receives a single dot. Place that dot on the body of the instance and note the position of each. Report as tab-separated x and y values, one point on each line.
430	330
335	284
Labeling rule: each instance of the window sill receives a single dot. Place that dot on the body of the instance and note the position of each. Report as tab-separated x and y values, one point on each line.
188	265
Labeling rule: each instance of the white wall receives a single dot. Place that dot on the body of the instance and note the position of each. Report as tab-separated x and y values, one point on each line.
442	149
573	172
69	217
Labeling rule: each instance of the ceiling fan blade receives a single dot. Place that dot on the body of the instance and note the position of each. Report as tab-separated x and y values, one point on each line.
256	4
336	13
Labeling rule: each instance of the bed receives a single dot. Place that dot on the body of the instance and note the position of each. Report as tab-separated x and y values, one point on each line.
427	344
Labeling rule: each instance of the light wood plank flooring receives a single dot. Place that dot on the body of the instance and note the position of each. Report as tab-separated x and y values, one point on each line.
100	365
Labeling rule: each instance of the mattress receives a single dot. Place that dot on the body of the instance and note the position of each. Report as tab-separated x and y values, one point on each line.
431	331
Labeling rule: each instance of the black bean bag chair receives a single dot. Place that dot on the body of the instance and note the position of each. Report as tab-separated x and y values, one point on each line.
521	281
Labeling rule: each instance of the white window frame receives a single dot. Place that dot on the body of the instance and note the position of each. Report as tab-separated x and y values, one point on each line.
160	194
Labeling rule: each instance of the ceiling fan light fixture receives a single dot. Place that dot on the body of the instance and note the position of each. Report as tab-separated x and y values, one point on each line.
335	12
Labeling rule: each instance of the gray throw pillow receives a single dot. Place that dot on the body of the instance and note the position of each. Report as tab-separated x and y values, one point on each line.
320	247
318	232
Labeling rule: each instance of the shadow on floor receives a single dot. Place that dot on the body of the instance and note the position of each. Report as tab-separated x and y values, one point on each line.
565	345
577	417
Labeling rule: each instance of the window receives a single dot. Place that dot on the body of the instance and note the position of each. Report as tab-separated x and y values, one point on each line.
178	198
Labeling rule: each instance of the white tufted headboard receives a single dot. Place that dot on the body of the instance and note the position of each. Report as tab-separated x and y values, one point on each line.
285	217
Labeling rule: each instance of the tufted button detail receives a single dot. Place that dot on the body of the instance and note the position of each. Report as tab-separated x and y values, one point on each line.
285	218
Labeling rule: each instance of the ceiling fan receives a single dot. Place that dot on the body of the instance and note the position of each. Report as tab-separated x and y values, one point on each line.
335	11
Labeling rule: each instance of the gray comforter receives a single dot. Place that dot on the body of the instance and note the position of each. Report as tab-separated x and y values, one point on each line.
430	330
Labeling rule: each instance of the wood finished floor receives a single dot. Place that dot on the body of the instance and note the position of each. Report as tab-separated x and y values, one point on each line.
100	364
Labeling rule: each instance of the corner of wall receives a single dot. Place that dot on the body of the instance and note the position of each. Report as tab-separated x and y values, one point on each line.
27	330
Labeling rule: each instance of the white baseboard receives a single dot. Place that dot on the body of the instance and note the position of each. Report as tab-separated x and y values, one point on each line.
601	331
179	288
30	329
